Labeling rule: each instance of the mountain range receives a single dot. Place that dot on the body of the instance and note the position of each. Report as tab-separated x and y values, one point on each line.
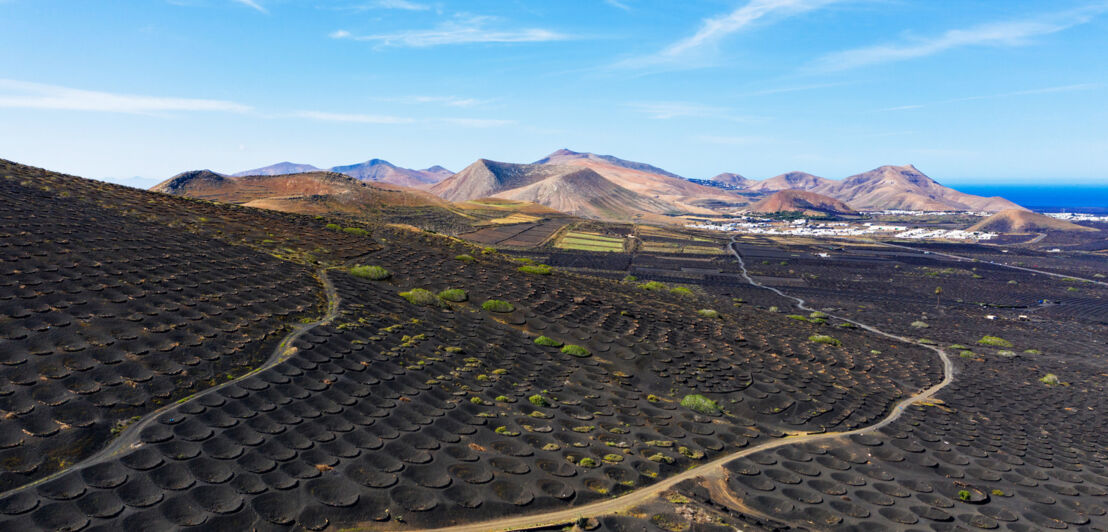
373	170
607	187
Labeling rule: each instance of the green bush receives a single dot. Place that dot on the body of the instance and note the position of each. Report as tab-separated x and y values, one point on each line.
497	305
966	354
797	317
680	291
355	231
334	227
464	257
420	296
548	341
817	314
524	260
456	295
699	403
630	279
994	341
538	400
537	269
708	313
653	285
588	462
824	339
920	325
964	495
576	351
1050	379
373	273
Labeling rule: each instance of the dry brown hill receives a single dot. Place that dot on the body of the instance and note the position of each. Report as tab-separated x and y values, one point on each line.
585	193
905	187
312	192
801	201
886	187
486	178
789	180
732	179
1022	221
651	181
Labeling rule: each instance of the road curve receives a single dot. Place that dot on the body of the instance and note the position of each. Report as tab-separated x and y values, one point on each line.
713	469
128	439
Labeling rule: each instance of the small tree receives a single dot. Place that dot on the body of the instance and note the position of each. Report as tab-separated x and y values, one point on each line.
938	295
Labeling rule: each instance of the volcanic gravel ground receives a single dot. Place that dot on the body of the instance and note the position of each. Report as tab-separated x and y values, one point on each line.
272	231
103	318
999	450
378	416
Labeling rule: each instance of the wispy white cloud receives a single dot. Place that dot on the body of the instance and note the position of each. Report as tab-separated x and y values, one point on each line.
1001	34
715	29
382	4
402	4
252	4
669	110
29	95
618	4
353	118
452	101
1028	92
466	30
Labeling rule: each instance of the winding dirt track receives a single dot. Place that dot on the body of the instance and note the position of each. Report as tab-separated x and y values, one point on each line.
128	439
1001	264
714	469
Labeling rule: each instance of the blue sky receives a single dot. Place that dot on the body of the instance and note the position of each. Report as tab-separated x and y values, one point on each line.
968	91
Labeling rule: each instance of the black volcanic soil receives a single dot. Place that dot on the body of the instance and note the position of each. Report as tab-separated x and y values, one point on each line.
103	318
395	414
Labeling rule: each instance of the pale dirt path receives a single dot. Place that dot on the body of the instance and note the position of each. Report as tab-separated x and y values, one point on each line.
710	470
971	259
128	439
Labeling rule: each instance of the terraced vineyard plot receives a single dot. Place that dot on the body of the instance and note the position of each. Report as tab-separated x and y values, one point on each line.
104	318
496	234
589	242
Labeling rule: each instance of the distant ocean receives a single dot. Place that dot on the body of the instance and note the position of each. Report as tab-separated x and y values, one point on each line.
1074	198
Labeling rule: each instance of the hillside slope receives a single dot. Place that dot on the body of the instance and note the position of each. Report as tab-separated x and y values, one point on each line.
306	193
787	181
801	201
905	187
585	193
1021	221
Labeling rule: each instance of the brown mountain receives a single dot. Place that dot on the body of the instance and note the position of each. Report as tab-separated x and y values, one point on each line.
680	193
732	179
382	171
801	201
310	193
486	178
887	187
565	156
585	193
787	181
1023	221
905	187
567	188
